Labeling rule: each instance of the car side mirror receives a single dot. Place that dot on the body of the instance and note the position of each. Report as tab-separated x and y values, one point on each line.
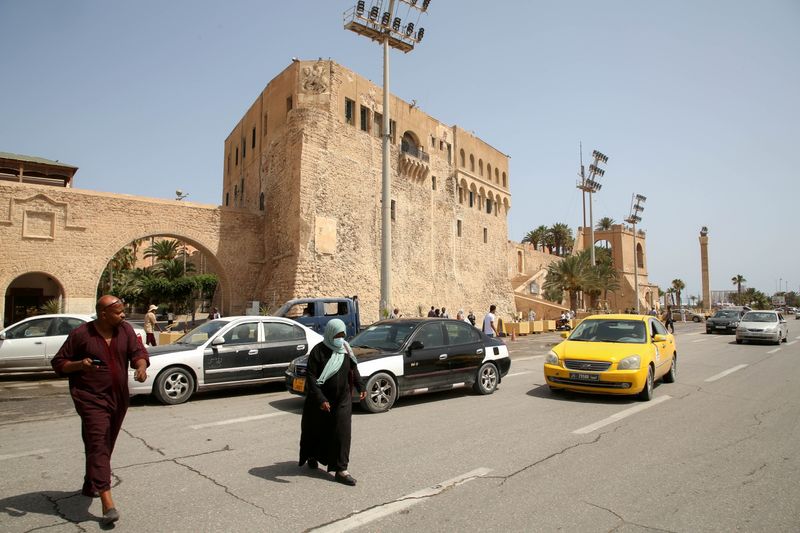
416	345
2	336
564	334
659	338
218	340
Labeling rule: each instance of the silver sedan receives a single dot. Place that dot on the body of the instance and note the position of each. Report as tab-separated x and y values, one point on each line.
769	326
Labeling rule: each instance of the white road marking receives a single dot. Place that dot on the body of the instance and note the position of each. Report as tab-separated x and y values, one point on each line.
700	340
774	350
725	373
528	358
790	343
622	414
695	333
361	518
237	420
24	454
519	373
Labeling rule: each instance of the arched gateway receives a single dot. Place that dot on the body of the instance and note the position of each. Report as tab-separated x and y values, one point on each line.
57	242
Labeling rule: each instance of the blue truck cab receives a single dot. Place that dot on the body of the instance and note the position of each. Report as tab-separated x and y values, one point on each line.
315	313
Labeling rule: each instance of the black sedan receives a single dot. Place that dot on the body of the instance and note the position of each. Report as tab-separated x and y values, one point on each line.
724	321
412	356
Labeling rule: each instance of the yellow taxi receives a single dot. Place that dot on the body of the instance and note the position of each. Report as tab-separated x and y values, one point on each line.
613	354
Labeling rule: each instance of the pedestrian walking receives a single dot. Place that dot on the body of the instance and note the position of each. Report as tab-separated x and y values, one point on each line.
150	325
331	374
96	357
668	321
471	317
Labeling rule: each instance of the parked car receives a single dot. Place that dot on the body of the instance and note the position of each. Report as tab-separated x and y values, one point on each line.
613	354
401	357
226	352
762	326
724	321
315	313
679	315
30	344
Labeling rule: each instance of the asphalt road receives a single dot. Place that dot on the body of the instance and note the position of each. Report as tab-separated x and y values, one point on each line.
715	451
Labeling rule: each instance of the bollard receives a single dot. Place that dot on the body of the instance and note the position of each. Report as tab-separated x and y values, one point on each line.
513	335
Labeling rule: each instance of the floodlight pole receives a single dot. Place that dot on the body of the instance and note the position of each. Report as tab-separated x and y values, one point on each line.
635	269
386	188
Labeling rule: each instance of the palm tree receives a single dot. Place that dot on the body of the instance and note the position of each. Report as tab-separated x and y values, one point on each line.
569	274
172	269
737	280
678	285
604	223
603	278
562	238
537	237
163	250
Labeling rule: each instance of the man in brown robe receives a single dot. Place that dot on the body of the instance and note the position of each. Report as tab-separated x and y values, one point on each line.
95	357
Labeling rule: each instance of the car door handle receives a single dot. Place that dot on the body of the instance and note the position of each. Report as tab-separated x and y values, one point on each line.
442	357
38	342
479	351
252	352
300	347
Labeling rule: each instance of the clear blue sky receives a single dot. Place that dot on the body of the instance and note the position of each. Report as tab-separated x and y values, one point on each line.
696	103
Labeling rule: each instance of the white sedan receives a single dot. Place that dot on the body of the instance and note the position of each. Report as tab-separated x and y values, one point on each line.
229	351
31	343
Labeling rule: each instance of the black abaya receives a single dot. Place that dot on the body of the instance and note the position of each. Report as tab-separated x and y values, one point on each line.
325	436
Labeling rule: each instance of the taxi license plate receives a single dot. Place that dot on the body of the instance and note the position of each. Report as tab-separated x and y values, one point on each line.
584	377
299	384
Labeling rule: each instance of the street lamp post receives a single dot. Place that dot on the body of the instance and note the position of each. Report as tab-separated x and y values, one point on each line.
637	206
389	30
591	185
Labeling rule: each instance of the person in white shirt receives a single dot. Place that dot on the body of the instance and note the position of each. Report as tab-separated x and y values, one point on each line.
488	323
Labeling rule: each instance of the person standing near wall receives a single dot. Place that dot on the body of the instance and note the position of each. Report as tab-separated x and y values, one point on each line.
489	327
150	325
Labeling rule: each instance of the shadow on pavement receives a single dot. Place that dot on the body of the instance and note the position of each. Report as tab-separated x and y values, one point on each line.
288	469
71	506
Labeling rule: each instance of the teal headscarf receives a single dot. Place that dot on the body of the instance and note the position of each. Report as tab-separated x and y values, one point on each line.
333	328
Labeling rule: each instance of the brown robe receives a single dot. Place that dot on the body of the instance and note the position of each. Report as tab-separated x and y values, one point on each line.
101	395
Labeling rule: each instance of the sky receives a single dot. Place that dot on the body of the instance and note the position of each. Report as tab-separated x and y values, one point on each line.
696	103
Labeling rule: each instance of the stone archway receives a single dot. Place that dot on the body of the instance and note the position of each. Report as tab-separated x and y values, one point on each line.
27	293
222	296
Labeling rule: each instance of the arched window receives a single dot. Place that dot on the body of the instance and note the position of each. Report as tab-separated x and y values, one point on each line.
480	166
261	202
639	255
489	171
463	159
471	163
496	176
505	182
519	262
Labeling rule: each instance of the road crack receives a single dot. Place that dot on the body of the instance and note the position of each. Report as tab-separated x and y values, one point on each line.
140	439
623	521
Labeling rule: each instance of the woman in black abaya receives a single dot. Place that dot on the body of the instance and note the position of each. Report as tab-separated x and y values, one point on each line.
332	372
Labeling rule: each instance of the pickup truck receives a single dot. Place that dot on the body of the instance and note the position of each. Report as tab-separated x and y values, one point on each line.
315	313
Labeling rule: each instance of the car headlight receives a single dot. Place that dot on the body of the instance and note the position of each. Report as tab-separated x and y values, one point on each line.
551	358
735	324
632	362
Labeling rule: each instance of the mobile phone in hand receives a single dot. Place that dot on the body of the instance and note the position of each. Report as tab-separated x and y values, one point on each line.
98	362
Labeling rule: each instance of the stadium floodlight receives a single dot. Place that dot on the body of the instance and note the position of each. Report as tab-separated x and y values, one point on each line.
637	207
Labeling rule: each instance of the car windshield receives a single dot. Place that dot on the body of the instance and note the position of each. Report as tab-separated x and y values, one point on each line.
609	330
201	333
726	314
755	316
390	336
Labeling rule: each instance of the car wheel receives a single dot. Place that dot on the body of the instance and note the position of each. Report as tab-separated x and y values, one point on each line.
695	319
786	338
486	381
381	393
174	385
708	332
738	341
670	376
647	392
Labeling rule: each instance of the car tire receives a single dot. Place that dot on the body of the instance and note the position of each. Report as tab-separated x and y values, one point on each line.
647	391
738	341
786	338
381	393
173	386
695	319
670	376
486	380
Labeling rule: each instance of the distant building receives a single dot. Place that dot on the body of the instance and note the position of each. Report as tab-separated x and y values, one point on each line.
27	169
